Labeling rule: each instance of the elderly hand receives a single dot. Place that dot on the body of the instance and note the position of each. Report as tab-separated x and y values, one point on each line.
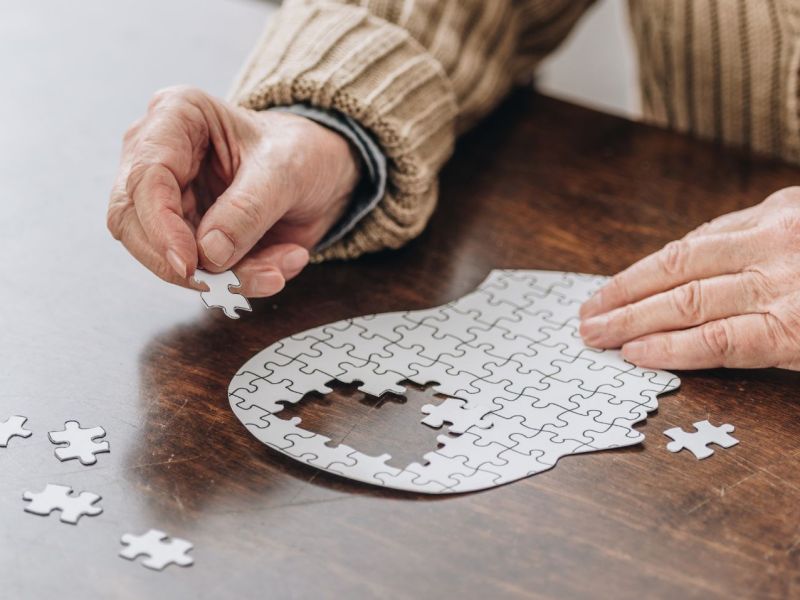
727	294
204	183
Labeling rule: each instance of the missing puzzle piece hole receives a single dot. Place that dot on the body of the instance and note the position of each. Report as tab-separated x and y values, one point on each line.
374	425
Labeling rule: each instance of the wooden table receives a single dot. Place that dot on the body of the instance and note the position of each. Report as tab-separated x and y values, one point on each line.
541	184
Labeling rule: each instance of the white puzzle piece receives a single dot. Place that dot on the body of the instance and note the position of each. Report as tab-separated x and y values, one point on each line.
159	549
219	294
60	497
77	442
697	441
13	427
523	389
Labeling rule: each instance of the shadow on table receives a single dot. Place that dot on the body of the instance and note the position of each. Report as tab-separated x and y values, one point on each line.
193	452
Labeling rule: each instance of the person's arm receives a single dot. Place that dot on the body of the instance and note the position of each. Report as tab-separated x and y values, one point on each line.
413	74
726	295
372	184
229	185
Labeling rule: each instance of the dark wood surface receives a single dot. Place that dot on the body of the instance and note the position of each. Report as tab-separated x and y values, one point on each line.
541	184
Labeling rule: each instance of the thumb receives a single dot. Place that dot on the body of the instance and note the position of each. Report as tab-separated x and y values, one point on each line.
239	218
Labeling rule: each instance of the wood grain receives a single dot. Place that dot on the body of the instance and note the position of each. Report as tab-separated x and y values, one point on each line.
540	185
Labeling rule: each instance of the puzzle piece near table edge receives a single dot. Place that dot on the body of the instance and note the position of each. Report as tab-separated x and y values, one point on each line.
13	427
60	497
76	442
697	442
159	549
219	293
503	366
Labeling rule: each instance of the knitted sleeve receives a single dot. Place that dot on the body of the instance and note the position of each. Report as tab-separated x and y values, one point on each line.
411	72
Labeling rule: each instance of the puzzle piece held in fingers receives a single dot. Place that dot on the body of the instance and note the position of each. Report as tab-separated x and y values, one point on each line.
219	294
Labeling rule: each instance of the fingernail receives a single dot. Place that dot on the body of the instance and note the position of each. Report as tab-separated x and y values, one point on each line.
294	261
176	262
591	306
634	351
217	247
592	329
269	283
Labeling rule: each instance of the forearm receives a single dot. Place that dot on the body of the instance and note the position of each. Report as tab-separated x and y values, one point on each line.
412	74
372	186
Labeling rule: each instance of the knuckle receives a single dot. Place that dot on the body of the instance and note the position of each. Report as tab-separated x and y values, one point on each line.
717	337
117	208
788	196
116	219
135	177
627	316
247	208
789	224
113	222
688	301
132	130
758	288
672	258
617	289
172	94
774	331
700	230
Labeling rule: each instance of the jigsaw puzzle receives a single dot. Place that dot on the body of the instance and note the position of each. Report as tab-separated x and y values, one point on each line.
522	388
13	427
158	547
219	294
80	443
697	441
60	497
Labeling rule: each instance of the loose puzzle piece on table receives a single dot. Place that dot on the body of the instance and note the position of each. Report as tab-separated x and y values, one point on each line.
522	388
219	294
80	443
158	547
13	427
697	441
60	497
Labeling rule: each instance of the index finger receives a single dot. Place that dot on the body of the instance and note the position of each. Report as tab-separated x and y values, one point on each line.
677	263
156	196
741	342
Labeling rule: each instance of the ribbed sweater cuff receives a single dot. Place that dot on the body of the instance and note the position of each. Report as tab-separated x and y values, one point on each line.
342	58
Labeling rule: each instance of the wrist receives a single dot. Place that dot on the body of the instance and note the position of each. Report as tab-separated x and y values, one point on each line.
341	161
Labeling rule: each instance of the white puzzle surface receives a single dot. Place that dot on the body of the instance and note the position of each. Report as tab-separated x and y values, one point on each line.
61	497
158	548
523	389
78	442
11	428
220	293
697	441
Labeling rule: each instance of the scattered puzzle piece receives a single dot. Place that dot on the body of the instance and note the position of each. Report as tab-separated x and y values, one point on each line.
159	548
60	497
521	388
219	294
80	443
13	427
697	441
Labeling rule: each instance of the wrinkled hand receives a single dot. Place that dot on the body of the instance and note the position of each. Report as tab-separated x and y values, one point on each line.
204	183
726	295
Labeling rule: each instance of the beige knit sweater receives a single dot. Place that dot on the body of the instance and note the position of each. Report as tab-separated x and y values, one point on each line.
415	73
